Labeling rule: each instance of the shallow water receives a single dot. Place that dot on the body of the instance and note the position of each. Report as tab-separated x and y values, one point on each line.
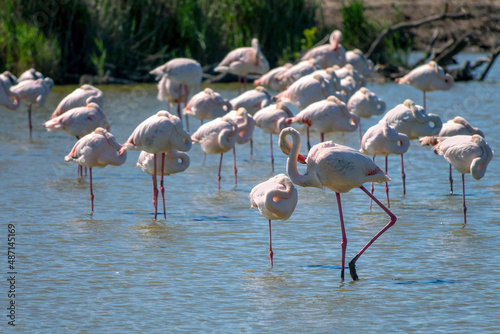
205	268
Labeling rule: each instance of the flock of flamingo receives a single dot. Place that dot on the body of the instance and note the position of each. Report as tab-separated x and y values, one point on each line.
327	86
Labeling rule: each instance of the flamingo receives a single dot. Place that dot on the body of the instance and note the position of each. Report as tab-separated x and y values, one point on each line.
174	162
182	71
245	123
298	70
365	104
33	91
6	94
169	91
307	90
252	100
80	97
328	115
349	70
217	137
329	54
270	79
382	139
96	149
467	154
454	127
275	198
358	60
159	133
339	168
272	119
244	61
413	121
427	77
30	74
207	104
79	121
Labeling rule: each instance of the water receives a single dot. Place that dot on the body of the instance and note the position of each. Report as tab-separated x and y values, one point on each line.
205	268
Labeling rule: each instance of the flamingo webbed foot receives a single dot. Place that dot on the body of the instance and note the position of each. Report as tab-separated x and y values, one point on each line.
352	270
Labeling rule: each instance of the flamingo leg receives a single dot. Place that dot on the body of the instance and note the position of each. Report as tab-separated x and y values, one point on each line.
464	208
343	243
270	245
372	189
251	148
91	193
29	121
392	221
308	142
85	171
386	185
218	175
162	188
359	127
451	181
403	175
322	137
234	167
155	186
272	155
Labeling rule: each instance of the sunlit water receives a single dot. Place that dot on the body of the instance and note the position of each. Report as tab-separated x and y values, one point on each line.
205	267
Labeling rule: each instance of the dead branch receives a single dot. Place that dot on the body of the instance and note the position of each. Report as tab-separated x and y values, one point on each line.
493	56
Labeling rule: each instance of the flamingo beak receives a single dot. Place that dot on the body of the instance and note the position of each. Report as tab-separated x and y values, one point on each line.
301	159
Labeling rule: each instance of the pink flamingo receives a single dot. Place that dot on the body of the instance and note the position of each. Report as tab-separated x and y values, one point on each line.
413	121
6	94
468	154
79	121
159	133
208	105
97	149
244	61
339	168
169	91
358	60
252	100
454	127
217	137
174	162
80	97
365	104
270	79
246	124
382	139
428	77
329	54
33	91
307	90
275	198
272	119
182	71
30	74
330	115
299	70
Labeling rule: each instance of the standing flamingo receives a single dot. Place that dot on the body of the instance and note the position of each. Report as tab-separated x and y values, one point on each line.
182	71
252	100
208	105
30	74
97	149
413	121
365	104
298	70
169	91
275	198
339	168
428	77
270	79
33	91
329	54
382	139
79	121
6	94
330	115
159	134
358	60
272	119
468	154
80	97
244	61
246	124
454	127
217	137
174	162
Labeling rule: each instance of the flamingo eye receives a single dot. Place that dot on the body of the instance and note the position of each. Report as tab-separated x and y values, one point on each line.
446	80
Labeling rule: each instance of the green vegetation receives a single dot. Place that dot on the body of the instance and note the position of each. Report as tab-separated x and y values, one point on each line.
66	38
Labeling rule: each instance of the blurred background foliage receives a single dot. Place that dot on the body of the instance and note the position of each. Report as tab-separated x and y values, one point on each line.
67	38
